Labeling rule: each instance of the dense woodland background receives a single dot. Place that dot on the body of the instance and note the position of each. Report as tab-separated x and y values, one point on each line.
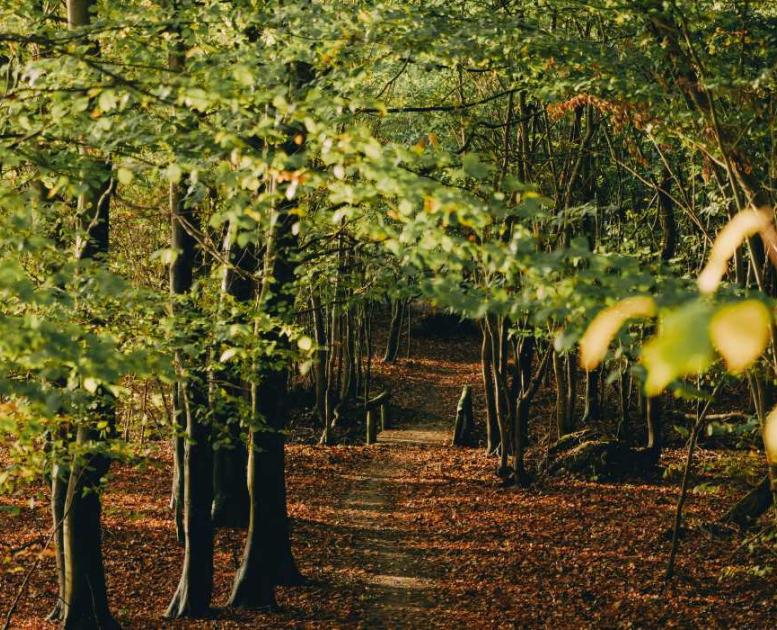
225	226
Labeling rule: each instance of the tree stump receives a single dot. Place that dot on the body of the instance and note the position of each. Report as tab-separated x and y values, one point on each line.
372	427
462	428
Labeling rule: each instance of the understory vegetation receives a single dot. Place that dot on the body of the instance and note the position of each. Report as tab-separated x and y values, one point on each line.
225	226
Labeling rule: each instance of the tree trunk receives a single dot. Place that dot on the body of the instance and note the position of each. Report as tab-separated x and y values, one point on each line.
520	475
570	365
192	597
319	363
230	485
623	405
523	397
85	597
371	428
395	328
666	217
654	424
254	585
496	338
179	431
267	558
592	412
492	430
59	479
561	395
230	460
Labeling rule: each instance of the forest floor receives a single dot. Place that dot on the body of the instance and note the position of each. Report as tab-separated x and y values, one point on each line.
413	533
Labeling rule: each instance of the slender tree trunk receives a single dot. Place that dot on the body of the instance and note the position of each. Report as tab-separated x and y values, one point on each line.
368	342
192	597
653	411
592	412
179	433
346	386
570	365
395	328
59	480
623	406
495	330
492	429
561	394
319	365
666	217
523	400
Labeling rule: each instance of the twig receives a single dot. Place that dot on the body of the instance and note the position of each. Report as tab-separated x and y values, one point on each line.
700	421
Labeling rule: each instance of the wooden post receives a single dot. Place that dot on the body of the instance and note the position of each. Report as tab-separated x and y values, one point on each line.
372	429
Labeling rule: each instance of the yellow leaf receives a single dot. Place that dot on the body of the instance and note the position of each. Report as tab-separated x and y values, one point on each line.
740	333
741	227
227	355
770	436
125	175
173	173
599	334
91	384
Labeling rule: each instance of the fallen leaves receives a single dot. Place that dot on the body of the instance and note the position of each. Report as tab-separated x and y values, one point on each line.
420	535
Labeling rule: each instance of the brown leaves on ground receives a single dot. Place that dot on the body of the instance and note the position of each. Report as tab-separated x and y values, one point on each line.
404	534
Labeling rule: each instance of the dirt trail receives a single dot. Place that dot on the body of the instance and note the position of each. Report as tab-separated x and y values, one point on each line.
395	576
400	580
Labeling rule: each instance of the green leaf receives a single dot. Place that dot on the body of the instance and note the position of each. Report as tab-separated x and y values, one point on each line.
243	75
681	347
473	167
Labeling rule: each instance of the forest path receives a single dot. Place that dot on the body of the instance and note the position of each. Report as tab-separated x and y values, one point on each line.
398	574
396	579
